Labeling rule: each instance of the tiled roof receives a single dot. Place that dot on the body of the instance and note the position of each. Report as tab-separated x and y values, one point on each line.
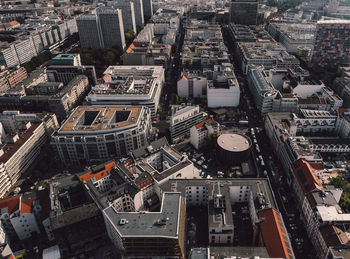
26	206
275	235
201	124
11	203
98	175
334	236
306	176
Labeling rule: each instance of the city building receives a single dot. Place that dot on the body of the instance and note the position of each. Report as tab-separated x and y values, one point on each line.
129	85
66	60
147	6
29	40
147	54
220	198
128	14
269	55
233	148
9	78
40	95
222	89
201	132
154	234
21	149
94	134
139	14
71	210
192	85
331	49
102	30
182	119
146	35
244	11
294	35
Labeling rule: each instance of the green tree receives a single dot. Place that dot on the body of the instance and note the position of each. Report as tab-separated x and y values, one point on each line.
338	182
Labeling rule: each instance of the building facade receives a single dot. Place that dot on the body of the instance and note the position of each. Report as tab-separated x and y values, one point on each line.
98	133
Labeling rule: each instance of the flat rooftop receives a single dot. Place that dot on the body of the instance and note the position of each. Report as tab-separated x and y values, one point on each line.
234	142
92	118
149	224
256	186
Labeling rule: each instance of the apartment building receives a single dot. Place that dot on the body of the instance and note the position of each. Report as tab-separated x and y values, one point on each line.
24	47
182	119
94	134
22	149
129	85
192	85
331	49
11	77
200	133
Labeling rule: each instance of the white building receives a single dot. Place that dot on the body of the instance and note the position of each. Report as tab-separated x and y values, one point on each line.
182	119
23	148
129	85
191	85
199	133
223	89
98	133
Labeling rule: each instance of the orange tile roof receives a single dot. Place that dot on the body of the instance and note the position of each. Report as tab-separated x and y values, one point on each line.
11	203
98	175
14	23
306	176
131	47
201	124
317	166
275	234
26	206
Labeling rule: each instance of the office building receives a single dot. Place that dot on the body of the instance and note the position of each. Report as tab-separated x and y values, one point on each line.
219	198
66	60
331	44
128	14
222	88
294	35
129	85
139	15
94	134
111	27
147	6
154	234
89	32
102	30
182	119
244	12
192	85
267	54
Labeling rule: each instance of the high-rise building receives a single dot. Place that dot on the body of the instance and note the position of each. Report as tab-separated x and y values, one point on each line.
332	44
128	13
104	29
111	26
89	32
139	17
147	9
244	11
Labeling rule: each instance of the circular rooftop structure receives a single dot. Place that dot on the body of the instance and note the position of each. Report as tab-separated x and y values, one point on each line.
233	148
234	142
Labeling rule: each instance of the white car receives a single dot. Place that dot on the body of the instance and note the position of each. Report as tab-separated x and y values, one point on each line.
205	167
200	162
